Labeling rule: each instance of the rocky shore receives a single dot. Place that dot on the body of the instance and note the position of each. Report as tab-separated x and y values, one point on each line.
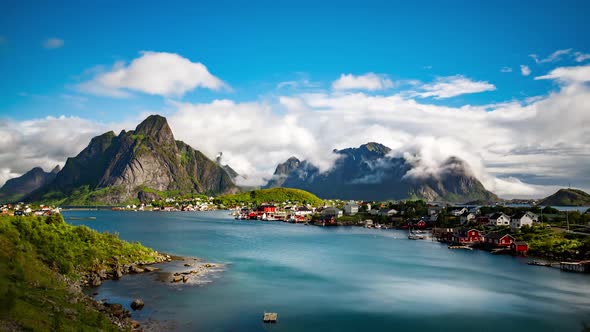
185	270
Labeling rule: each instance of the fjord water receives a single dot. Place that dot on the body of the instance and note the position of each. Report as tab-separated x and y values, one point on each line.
336	279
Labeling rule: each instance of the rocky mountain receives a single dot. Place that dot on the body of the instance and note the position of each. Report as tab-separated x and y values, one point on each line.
16	188
567	197
143	163
369	173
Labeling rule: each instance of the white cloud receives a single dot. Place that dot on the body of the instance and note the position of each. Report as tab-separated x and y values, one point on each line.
506	70
53	43
368	81
577	74
553	57
581	57
452	86
43	142
155	73
525	70
522	149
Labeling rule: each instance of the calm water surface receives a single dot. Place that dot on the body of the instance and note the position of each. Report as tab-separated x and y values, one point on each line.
337	279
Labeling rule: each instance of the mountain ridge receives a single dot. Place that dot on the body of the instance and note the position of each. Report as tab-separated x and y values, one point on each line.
113	169
370	172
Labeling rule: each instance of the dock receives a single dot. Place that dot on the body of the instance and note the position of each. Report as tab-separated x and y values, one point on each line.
460	247
582	266
270	317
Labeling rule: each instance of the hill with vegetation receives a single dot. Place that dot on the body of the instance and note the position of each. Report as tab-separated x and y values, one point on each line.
274	195
40	260
567	197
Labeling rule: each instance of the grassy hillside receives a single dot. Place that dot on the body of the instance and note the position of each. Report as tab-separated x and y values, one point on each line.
38	259
567	197
274	195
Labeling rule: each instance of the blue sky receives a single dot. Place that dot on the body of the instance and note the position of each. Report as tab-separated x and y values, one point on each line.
253	46
301	63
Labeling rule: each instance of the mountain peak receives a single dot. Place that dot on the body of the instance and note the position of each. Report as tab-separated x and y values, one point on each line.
155	126
56	169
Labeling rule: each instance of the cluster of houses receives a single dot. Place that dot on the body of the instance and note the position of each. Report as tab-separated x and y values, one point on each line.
465	215
470	236
270	212
22	209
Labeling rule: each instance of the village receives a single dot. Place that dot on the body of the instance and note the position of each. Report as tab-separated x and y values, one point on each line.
516	231
461	227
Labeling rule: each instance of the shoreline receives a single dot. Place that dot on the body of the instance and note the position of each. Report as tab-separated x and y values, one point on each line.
188	271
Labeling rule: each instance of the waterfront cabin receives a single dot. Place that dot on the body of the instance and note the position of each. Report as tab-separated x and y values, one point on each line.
467	236
523	218
520	248
498	239
443	234
499	219
303	211
332	212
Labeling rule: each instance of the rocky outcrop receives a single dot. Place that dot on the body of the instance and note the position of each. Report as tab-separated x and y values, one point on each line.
16	188
137	304
138	164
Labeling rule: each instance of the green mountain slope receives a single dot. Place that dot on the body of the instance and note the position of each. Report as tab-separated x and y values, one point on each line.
567	197
274	195
39	259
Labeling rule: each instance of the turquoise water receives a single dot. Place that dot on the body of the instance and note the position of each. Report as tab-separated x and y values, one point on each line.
337	279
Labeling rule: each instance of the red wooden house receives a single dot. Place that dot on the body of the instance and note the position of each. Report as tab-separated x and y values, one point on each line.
520	247
499	239
467	236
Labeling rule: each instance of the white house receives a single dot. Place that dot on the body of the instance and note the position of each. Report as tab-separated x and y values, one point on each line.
523	218
458	212
332	212
387	212
303	211
351	208
499	219
466	217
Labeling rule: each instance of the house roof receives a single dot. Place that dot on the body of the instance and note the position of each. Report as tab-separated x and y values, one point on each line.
497	215
497	235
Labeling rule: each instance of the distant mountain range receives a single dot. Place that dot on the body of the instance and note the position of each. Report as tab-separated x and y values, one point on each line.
148	163
567	197
144	164
17	188
370	173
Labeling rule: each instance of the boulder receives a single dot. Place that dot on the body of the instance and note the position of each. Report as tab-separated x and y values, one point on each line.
136	269
118	273
184	279
95	281
151	268
137	304
177	279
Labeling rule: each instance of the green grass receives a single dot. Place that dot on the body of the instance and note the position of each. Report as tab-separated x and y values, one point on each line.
84	196
274	195
546	242
35	253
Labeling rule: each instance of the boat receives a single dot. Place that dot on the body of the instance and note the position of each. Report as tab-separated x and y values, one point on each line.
415	235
